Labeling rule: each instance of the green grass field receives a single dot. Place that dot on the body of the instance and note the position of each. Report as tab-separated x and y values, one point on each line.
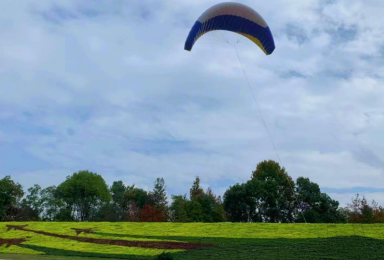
228	241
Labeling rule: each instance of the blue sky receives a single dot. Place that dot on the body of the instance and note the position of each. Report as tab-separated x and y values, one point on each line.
107	86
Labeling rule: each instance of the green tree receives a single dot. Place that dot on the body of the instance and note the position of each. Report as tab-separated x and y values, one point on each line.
118	190
108	212
276	197
54	208
202	207
218	214
178	209
216	211
236	203
212	208
10	195
194	211
196	191
139	196
118	206
316	207
329	210
158	198
32	204
255	198
126	200
85	193
135	199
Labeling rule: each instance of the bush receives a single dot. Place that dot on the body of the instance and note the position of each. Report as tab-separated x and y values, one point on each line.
165	256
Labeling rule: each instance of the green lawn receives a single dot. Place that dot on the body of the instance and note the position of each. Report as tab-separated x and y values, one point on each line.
231	241
45	257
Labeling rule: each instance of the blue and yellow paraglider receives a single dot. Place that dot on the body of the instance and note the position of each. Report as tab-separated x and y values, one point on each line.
234	17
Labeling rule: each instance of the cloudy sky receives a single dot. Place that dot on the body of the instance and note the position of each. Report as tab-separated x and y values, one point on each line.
107	86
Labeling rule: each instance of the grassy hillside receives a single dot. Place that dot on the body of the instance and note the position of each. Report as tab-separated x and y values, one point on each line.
192	241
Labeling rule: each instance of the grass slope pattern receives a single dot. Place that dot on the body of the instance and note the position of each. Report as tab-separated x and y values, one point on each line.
190	241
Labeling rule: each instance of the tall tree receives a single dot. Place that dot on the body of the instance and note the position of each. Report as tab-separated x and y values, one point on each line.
218	214
276	192
10	195
158	196
118	206
236	203
54	208
139	196
316	207
178	210
127	200
32	203
194	211
135	200
359	211
202	206
118	190
85	192
212	208
196	191
158	199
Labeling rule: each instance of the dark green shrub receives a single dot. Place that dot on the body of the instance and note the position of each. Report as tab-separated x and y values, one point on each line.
165	256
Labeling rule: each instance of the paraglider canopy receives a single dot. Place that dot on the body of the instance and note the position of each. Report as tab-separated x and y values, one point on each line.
234	17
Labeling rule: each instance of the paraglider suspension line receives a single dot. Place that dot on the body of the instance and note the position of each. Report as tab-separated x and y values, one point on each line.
265	125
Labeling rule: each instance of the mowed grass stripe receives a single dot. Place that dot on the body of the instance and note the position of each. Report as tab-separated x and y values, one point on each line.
233	230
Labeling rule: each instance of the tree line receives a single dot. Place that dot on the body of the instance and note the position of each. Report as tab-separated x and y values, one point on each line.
270	195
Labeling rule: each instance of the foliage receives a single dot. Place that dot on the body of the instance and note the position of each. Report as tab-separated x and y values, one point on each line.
315	206
165	256
275	196
33	201
158	199
151	213
139	196
118	191
158	196
212	208
10	195
196	191
359	211
54	208
178	211
269	196
127	201
133	213
202	206
84	192
266	197
194	211
236	203
108	212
